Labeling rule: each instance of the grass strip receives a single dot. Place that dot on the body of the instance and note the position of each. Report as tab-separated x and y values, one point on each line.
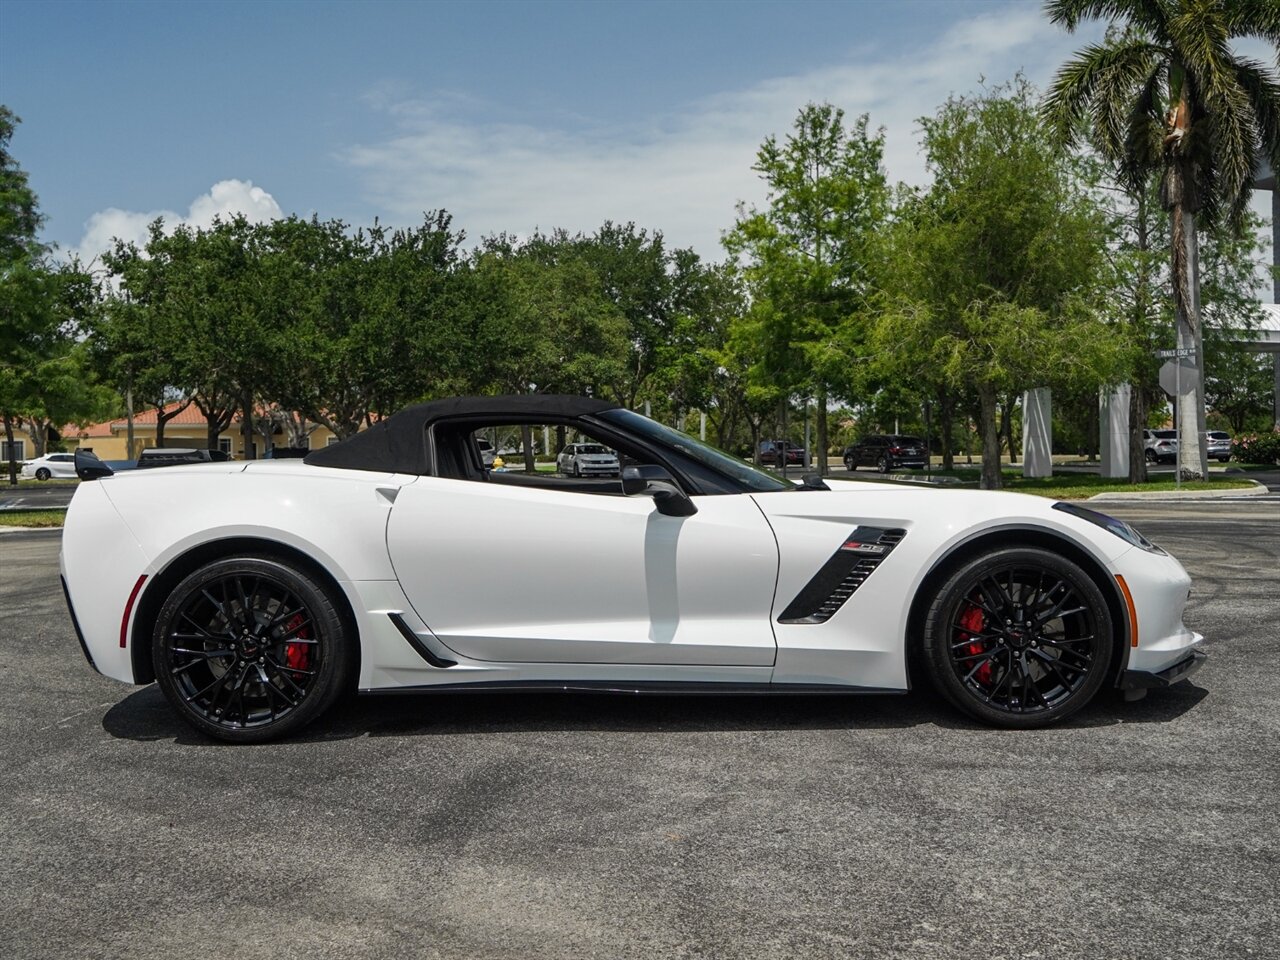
32	518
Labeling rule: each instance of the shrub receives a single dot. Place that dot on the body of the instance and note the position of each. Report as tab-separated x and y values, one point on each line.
1257	447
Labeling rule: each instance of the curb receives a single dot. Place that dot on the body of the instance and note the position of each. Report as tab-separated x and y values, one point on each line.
1257	490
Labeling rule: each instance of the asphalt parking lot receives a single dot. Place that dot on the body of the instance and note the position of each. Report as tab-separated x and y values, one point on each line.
505	826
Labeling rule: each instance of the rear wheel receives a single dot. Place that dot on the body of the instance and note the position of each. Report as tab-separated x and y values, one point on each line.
1018	637
249	648
883	465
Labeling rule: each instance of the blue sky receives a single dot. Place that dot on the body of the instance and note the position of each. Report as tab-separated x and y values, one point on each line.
513	116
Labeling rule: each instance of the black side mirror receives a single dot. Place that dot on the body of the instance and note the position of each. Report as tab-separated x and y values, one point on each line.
651	480
90	467
813	481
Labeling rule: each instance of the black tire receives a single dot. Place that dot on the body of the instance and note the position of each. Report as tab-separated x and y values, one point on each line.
43	473
1151	457
248	649
1048	657
883	465
851	464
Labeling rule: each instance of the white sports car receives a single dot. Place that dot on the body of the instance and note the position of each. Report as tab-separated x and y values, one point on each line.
257	593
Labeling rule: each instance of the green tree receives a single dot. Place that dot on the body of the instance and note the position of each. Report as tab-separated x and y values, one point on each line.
1170	99
809	255
43	305
366	320
997	263
1238	382
19	220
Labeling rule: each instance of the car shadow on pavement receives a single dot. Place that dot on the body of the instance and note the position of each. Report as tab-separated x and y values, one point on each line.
145	715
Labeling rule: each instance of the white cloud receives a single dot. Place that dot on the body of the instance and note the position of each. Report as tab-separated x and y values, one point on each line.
224	199
682	172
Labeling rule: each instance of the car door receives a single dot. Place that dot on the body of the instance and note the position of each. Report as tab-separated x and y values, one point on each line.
513	573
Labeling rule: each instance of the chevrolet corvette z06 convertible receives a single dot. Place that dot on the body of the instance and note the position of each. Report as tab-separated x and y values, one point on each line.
256	593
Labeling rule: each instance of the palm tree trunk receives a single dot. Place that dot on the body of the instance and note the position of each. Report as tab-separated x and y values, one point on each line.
1193	462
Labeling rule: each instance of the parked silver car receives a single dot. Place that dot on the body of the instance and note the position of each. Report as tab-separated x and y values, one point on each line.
1219	443
587	460
1161	445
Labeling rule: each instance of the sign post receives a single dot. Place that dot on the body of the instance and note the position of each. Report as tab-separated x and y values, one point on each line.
1172	371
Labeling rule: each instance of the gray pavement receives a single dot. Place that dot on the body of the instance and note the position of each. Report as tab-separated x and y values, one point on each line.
31	496
576	826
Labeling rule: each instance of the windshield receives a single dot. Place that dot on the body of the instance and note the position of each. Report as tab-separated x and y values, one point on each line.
591	448
717	460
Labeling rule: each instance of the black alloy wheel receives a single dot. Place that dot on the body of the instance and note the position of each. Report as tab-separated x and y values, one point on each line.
249	648
1151	456
850	463
883	465
43	473
1018	637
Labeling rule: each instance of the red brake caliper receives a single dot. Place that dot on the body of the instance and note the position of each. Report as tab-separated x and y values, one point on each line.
973	620
296	655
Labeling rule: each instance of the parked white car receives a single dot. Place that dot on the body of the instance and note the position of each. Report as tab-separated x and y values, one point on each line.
50	465
587	460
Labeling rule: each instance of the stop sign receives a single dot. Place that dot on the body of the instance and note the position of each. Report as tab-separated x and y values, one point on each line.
1178	377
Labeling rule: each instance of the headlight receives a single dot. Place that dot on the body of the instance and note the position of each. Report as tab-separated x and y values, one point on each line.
1118	527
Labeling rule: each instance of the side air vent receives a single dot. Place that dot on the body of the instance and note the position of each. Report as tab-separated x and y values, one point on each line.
858	557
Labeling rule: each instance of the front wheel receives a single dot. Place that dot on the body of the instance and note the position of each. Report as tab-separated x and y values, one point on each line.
43	473
248	649
1018	637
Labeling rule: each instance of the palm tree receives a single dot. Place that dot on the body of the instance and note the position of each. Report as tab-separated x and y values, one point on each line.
1168	97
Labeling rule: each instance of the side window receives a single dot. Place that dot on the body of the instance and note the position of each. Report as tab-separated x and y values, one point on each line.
552	456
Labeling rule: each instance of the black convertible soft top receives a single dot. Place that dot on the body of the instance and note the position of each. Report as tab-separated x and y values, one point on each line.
399	443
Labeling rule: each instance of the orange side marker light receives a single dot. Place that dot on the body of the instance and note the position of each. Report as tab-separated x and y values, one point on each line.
1133	611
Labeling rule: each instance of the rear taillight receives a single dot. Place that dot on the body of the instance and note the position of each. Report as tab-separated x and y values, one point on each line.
895	450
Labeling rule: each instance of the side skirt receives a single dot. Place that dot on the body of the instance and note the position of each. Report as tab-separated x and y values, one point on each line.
637	687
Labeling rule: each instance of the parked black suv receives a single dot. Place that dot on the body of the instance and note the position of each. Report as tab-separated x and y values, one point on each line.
886	452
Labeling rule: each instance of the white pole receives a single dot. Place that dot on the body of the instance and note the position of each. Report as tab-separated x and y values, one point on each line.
806	433
1177	423
702	427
